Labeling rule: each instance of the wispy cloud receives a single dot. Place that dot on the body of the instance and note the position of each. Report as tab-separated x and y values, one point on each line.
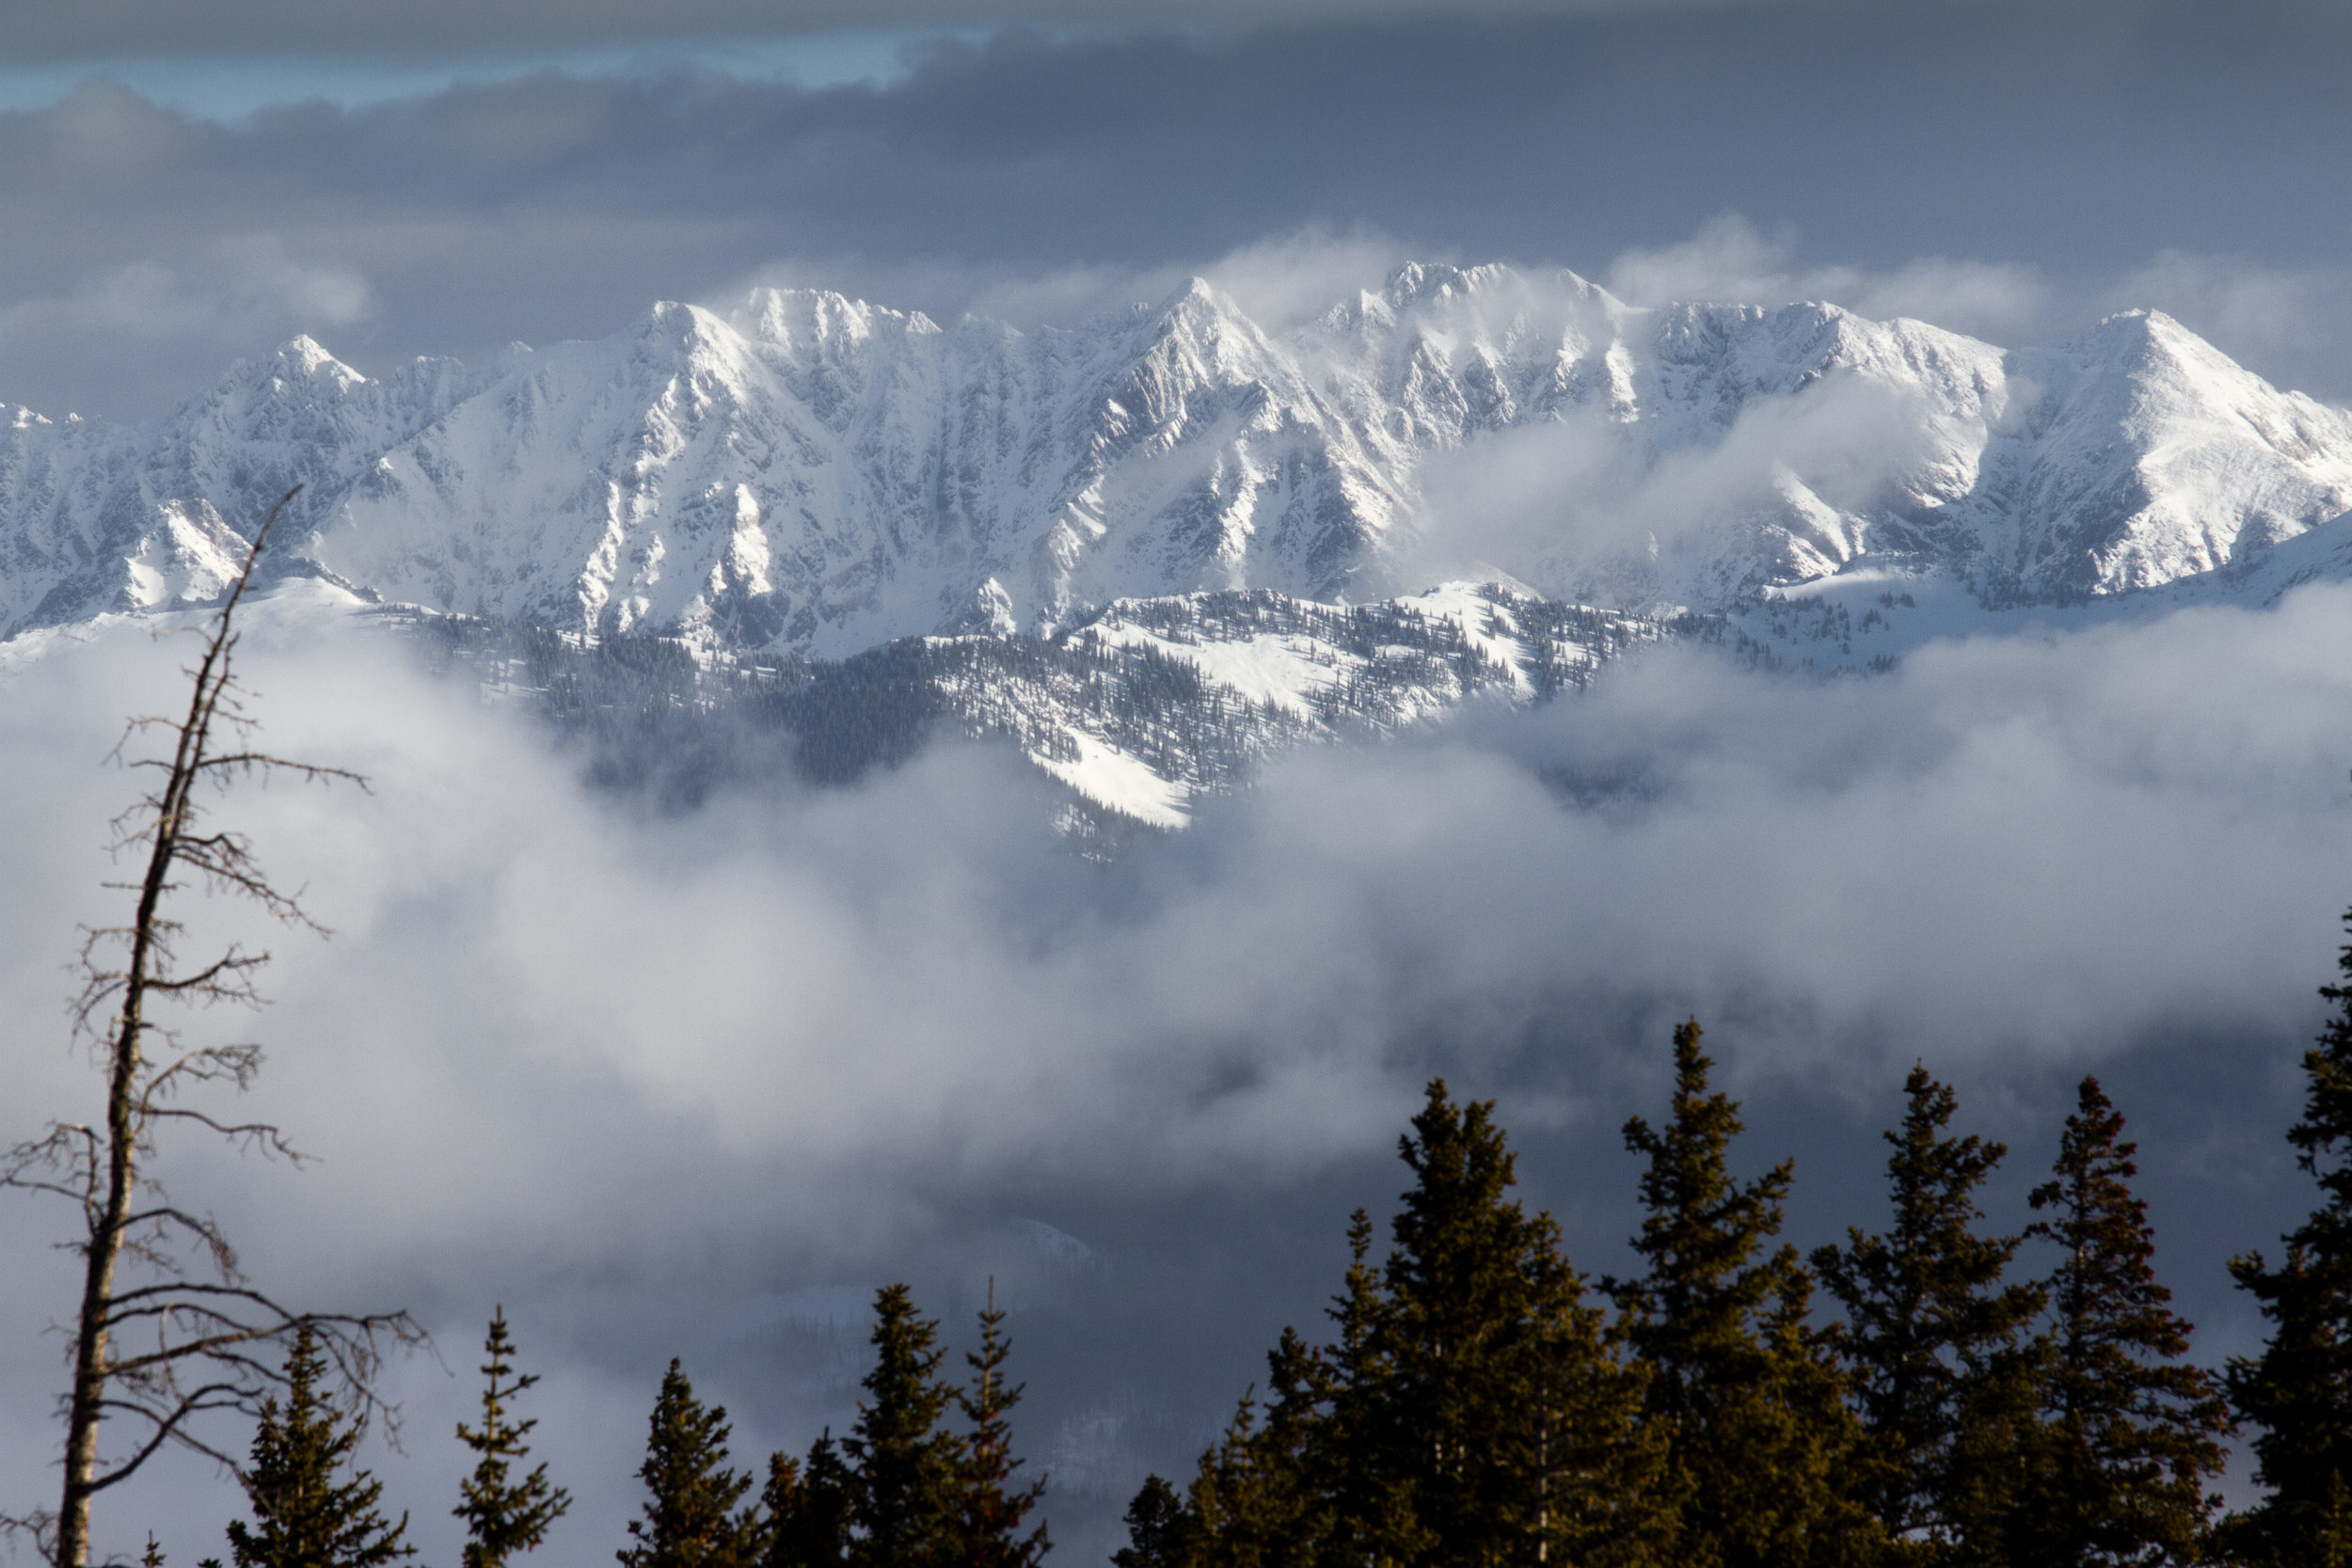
179	318
1731	261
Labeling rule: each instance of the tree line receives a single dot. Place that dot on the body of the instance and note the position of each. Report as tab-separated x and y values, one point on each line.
1479	1401
924	1479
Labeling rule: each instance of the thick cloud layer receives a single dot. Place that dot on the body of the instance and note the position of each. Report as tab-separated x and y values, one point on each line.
690	1085
56	30
2023	170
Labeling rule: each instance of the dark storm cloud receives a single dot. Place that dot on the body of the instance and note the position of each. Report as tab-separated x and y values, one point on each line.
2077	147
63	29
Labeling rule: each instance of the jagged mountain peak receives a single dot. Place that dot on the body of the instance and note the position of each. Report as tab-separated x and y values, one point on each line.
1423	282
808	470
795	319
309	354
301	366
685	329
1200	311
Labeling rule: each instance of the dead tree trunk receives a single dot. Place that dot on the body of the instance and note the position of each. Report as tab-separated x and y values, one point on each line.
166	1350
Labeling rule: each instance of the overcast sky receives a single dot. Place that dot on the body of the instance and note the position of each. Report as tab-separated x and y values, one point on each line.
529	175
691	1086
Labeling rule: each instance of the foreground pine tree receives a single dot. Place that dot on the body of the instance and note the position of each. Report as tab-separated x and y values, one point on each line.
994	1507
503	1515
809	1508
903	1490
2298	1391
1255	1501
1158	1529
2132	1431
908	1496
1472	1411
311	1509
1939	1348
1479	1416
1746	1393
690	1519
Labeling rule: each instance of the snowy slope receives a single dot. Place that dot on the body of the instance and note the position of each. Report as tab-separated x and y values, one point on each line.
821	474
811	474
1140	709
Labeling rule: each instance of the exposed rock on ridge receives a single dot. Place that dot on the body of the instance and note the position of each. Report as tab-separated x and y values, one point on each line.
814	474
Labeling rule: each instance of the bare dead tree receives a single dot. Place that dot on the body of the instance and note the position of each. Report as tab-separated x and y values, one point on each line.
170	1328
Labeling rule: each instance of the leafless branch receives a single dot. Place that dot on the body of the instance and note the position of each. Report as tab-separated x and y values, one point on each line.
193	1317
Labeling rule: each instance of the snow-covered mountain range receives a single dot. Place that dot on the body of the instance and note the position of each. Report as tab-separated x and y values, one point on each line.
1068	515
814	474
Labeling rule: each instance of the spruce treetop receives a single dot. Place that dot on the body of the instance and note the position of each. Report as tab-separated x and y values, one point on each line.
994	1507
690	1519
2299	1392
910	1468
502	1515
2136	1430
1702	1233
311	1508
1935	1337
1745	1394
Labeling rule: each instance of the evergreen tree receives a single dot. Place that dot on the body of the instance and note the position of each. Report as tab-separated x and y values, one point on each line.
1479	1416
1939	1348
1472	1410
1744	1391
1252	1504
690	1520
994	1508
907	1499
310	1508
2132	1432
502	1515
1358	1461
809	1508
1159	1532
2298	1391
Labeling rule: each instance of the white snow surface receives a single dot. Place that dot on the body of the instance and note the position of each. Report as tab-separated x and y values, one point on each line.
812	473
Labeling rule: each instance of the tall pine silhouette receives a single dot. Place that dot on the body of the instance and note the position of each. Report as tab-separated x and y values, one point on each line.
809	1508
1939	1346
907	1498
2298	1391
503	1515
1159	1532
312	1506
2133	1431
995	1507
1480	1408
1472	1410
1744	1391
690	1519
903	1490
